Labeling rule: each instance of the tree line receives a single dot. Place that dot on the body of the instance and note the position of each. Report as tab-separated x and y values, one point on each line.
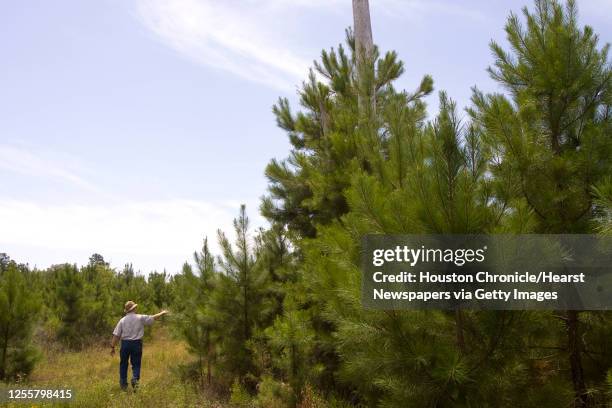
275	319
65	306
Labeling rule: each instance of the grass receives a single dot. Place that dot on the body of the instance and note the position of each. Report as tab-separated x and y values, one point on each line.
93	376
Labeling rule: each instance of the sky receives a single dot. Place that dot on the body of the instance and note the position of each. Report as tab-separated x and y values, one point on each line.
135	128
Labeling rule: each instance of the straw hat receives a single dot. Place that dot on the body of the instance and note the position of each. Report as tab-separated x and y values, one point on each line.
129	306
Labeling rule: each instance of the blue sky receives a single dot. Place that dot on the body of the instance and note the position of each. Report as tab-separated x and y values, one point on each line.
133	128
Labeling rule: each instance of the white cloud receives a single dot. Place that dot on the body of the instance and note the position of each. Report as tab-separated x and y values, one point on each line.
150	234
234	37
250	38
29	162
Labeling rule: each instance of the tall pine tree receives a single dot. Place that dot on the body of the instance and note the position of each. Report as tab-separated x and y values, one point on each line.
551	135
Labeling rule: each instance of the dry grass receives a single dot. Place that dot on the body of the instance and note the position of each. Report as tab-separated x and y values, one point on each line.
93	375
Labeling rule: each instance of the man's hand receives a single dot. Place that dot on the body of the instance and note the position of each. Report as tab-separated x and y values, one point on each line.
160	314
114	342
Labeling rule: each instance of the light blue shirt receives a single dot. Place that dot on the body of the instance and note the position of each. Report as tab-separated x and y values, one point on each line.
131	326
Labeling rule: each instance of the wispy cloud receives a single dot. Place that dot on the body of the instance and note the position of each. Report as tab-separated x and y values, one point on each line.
228	35
150	234
248	38
40	164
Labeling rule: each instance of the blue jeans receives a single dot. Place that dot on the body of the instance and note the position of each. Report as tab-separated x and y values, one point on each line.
130	350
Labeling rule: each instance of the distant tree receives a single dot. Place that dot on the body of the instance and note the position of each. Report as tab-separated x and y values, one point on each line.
4	261
134	287
97	314
19	307
128	273
69	292
158	282
97	259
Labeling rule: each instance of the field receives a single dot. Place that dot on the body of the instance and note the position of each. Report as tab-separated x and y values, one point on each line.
92	374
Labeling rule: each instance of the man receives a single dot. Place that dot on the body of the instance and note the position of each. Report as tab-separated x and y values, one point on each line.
130	330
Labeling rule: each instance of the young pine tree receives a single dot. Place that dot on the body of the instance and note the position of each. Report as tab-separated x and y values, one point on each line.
551	136
19	308
197	322
69	284
238	302
97	297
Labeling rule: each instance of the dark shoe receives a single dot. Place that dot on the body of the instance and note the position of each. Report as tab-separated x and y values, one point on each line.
135	385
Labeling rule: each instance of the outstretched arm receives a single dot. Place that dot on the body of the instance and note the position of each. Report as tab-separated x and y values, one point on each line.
160	314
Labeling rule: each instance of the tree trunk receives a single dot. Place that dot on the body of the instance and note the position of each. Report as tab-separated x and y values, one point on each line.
208	358
574	348
201	370
363	27
3	363
4	351
364	45
459	330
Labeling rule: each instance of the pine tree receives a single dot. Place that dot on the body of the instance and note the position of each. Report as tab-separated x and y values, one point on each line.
19	307
290	340
552	135
603	202
275	256
197	322
70	303
333	139
97	320
432	180
159	288
238	301
4	261
307	189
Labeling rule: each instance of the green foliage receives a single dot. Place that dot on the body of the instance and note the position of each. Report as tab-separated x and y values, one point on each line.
76	306
239	301
307	189
18	314
551	147
88	301
70	300
161	293
273	394
197	323
290	339
552	138
277	319
603	202
525	164
239	396
97	318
